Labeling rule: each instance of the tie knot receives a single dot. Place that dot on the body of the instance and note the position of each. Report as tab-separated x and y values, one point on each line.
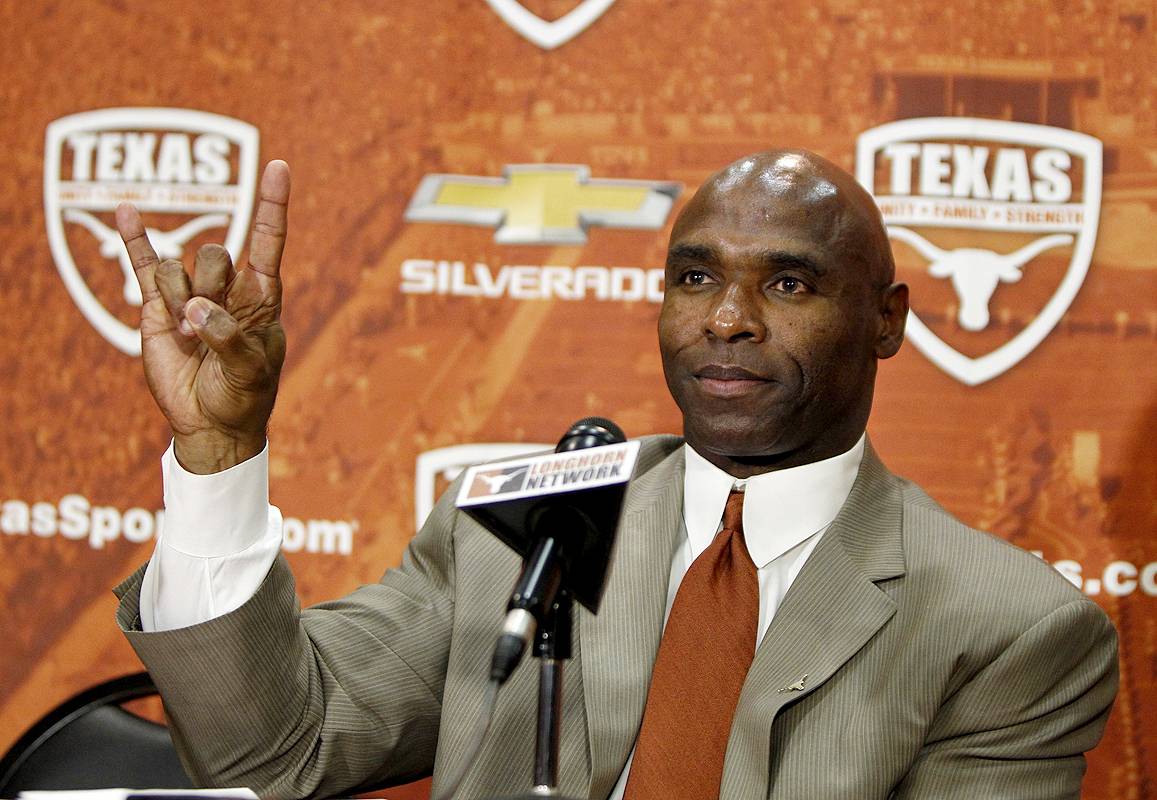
733	512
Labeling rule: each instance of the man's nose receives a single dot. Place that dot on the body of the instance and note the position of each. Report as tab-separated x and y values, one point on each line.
735	317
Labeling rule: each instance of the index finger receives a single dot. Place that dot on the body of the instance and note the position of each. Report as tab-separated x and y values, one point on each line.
270	223
141	252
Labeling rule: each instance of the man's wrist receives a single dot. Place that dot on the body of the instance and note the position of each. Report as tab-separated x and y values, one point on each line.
207	452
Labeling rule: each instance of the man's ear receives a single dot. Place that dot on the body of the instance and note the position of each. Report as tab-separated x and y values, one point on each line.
893	316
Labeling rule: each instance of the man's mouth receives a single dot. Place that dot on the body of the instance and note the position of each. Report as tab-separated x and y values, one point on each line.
722	380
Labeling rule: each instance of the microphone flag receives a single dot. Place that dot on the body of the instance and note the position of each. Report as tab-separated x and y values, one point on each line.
575	496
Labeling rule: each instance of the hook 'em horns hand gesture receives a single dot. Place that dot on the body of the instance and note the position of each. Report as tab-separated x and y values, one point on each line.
212	343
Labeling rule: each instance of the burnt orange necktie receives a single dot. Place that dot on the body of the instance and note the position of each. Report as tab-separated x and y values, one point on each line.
707	648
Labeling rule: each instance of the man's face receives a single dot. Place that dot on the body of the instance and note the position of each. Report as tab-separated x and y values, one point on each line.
771	322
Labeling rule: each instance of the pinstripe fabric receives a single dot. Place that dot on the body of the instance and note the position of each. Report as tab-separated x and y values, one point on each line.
940	663
620	644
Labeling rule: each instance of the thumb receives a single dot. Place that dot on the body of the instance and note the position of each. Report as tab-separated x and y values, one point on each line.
217	328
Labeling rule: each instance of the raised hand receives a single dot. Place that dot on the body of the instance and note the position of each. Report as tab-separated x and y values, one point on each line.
213	346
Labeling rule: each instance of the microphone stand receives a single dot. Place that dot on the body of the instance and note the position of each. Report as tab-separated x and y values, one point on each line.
542	576
552	647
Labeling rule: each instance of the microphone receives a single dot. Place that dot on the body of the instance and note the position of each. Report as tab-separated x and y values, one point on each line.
590	432
560	512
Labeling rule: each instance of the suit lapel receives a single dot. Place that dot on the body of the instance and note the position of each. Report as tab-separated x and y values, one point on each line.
619	644
831	610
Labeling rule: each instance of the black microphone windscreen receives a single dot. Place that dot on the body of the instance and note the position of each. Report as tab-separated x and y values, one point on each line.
590	432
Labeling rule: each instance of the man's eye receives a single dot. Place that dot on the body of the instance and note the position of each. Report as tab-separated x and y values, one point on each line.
791	286
695	277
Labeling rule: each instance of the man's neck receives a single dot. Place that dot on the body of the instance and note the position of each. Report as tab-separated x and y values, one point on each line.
743	467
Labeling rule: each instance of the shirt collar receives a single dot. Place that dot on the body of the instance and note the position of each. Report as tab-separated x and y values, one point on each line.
781	508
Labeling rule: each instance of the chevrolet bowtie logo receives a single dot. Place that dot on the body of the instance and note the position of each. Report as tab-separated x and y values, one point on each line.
542	203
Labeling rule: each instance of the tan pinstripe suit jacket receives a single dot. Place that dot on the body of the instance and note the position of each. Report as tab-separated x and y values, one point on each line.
940	663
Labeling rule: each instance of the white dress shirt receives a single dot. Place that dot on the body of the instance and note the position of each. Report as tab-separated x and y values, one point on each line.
784	515
221	536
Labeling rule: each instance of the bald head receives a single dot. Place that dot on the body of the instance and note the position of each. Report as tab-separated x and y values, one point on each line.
800	188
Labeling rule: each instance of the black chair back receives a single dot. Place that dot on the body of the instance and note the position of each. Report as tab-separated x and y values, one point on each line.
90	742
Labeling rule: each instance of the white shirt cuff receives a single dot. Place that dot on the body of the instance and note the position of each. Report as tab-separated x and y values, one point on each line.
219	539
209	516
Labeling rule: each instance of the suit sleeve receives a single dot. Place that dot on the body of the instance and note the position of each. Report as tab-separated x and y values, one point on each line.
1019	728
295	703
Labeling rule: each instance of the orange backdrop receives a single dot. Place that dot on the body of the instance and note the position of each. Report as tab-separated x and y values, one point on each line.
366	99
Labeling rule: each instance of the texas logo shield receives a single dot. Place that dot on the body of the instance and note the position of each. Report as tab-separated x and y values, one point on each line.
993	225
191	173
549	34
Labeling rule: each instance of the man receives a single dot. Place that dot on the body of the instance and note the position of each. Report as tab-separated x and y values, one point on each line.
900	654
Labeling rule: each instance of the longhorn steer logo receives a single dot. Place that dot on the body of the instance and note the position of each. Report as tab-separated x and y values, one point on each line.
978	180
168	244
975	272
192	167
